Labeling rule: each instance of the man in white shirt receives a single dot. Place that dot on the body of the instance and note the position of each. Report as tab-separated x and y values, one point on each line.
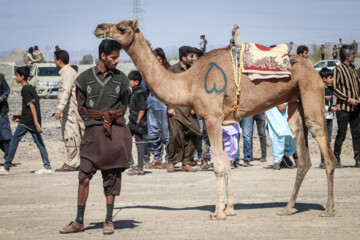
67	112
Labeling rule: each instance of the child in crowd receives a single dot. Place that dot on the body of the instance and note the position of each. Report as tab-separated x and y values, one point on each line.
327	76
137	122
29	120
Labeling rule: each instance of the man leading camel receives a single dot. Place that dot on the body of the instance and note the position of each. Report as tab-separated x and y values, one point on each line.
71	123
183	126
102	96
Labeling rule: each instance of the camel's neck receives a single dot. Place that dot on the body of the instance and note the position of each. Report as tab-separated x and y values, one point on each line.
168	87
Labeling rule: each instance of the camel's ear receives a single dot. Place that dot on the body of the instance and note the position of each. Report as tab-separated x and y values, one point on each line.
135	24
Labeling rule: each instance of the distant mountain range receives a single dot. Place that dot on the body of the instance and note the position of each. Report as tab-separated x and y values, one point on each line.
17	55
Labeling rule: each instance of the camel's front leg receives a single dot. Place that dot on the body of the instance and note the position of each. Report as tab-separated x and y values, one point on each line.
299	130
229	211
214	129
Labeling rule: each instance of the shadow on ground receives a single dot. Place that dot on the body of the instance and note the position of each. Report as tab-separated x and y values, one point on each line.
300	207
118	225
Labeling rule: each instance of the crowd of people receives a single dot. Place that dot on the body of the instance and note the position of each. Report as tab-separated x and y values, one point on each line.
336	49
95	103
33	55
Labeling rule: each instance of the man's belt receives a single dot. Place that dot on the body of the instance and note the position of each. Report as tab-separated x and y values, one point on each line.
108	117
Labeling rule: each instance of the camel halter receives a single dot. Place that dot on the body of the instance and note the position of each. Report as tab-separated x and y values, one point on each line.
237	78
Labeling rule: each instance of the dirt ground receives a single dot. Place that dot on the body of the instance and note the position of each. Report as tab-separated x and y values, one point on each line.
177	205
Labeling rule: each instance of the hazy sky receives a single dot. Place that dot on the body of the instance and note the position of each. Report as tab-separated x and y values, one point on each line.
70	23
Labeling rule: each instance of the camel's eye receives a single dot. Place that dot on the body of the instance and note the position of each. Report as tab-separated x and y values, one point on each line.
121	29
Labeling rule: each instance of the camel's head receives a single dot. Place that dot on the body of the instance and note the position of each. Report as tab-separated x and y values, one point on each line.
123	32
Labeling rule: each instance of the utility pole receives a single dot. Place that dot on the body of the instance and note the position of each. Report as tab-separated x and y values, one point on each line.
47	49
137	12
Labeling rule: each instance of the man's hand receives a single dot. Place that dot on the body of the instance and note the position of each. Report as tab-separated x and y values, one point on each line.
353	101
171	112
192	111
282	107
1	99
38	128
335	108
58	113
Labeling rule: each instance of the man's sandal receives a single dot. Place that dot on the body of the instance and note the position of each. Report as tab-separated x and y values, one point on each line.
155	164
203	167
135	171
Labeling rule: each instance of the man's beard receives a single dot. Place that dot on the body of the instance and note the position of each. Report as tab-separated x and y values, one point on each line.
109	66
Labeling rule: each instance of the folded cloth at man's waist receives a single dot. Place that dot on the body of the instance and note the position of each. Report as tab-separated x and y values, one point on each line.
108	117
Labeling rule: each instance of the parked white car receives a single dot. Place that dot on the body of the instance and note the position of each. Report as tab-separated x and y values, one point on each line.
330	64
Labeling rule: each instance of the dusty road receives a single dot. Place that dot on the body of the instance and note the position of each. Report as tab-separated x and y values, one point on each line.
161	205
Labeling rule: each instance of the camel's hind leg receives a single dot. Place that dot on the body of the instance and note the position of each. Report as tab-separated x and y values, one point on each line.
214	129
310	116
299	130
312	97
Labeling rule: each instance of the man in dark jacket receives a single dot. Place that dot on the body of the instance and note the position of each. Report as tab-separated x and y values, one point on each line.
183	126
5	130
102	96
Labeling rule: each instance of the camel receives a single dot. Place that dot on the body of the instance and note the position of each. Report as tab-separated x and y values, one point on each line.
209	88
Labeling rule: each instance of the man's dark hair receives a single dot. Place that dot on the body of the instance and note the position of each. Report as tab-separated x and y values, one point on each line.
107	46
302	49
325	72
185	50
159	52
62	55
345	52
135	75
198	52
23	71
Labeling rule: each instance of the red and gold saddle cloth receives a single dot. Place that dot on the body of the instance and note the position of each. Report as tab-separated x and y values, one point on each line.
261	62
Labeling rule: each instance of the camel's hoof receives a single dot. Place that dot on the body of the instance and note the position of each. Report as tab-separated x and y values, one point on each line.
230	212
285	211
327	213
218	216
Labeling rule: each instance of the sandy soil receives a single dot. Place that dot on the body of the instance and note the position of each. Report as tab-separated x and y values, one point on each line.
177	205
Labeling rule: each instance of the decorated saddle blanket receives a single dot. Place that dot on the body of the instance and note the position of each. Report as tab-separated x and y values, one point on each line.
261	62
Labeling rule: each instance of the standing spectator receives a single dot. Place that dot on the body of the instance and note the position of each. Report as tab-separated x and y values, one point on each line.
260	119
38	55
322	51
28	57
183	127
303	51
199	139
72	125
354	46
340	44
334	52
203	43
157	124
5	130
282	139
102	96
137	122
328	76
247	129
29	121
347	91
